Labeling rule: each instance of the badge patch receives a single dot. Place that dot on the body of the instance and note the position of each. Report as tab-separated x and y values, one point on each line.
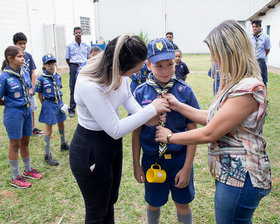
159	45
48	90
17	94
180	88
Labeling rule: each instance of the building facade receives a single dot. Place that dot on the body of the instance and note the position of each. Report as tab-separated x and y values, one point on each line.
48	25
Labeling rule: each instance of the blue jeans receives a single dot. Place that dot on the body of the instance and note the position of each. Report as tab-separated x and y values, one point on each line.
237	205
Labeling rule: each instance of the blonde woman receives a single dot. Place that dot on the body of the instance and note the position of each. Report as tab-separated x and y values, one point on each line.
96	148
233	127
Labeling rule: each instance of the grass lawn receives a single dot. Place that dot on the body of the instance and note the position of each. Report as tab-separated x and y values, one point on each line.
57	199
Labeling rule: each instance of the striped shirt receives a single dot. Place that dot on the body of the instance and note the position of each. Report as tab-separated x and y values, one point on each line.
241	150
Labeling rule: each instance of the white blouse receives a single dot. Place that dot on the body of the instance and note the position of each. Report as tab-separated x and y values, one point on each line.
98	110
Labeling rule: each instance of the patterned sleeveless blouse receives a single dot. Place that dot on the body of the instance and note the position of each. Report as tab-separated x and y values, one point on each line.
241	150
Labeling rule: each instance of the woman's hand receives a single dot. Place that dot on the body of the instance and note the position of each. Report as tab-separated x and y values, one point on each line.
173	102
161	134
161	105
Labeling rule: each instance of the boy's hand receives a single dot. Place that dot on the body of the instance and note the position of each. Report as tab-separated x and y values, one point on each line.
182	178
173	102
31	92
139	174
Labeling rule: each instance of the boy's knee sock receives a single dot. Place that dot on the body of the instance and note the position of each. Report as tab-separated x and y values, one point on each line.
47	141
185	219
27	163
153	216
62	136
14	168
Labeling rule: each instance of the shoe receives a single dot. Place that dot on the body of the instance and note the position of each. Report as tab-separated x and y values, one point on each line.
20	182
64	147
51	161
33	174
71	114
38	132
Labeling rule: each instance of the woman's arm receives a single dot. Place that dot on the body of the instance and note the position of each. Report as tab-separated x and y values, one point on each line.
196	115
102	111
230	115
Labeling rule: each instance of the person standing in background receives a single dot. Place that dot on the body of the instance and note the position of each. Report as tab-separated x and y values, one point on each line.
261	47
169	36
76	53
20	40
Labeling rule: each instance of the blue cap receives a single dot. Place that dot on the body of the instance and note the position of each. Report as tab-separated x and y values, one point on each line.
48	57
160	49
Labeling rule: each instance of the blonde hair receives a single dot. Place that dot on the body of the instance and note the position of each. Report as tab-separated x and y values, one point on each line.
120	55
230	47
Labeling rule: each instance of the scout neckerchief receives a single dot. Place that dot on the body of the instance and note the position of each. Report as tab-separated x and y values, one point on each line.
56	89
152	82
20	76
257	44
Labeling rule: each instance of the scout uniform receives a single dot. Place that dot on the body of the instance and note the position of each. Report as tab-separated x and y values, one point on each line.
17	116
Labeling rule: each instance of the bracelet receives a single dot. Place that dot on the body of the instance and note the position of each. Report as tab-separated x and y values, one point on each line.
168	137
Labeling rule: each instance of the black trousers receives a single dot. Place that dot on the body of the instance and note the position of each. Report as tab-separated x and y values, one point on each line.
263	69
99	187
72	83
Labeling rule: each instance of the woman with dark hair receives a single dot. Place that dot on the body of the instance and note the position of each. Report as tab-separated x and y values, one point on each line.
96	149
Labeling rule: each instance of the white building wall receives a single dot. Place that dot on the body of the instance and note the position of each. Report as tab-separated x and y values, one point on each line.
272	19
190	21
30	17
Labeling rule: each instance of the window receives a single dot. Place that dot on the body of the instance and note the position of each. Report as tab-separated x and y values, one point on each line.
242	22
85	25
268	30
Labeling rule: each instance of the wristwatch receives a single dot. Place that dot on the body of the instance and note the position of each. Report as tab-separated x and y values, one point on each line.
168	137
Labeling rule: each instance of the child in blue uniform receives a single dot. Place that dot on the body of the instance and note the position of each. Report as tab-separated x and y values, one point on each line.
17	116
176	160
181	69
139	78
48	86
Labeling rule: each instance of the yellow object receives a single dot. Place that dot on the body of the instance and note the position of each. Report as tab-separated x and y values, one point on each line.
154	175
167	156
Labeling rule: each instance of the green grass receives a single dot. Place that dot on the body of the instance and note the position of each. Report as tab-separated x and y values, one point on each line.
56	198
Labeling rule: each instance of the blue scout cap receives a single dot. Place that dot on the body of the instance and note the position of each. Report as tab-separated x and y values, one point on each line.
48	57
160	49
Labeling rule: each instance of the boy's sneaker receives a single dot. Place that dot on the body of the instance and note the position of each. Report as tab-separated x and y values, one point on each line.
33	174
51	161
20	182
38	132
64	147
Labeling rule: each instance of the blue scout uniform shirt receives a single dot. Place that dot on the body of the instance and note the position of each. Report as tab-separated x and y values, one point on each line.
77	53
181	71
176	122
29	64
44	85
139	78
260	43
12	90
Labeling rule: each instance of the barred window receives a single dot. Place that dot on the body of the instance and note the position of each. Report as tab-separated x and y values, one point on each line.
85	25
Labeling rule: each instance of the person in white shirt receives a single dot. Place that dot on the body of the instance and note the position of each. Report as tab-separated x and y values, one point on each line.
96	148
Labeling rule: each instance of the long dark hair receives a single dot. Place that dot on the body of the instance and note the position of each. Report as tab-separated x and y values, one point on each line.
11	51
121	54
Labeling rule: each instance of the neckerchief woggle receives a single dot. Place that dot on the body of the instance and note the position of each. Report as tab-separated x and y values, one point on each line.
152	82
20	76
56	89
